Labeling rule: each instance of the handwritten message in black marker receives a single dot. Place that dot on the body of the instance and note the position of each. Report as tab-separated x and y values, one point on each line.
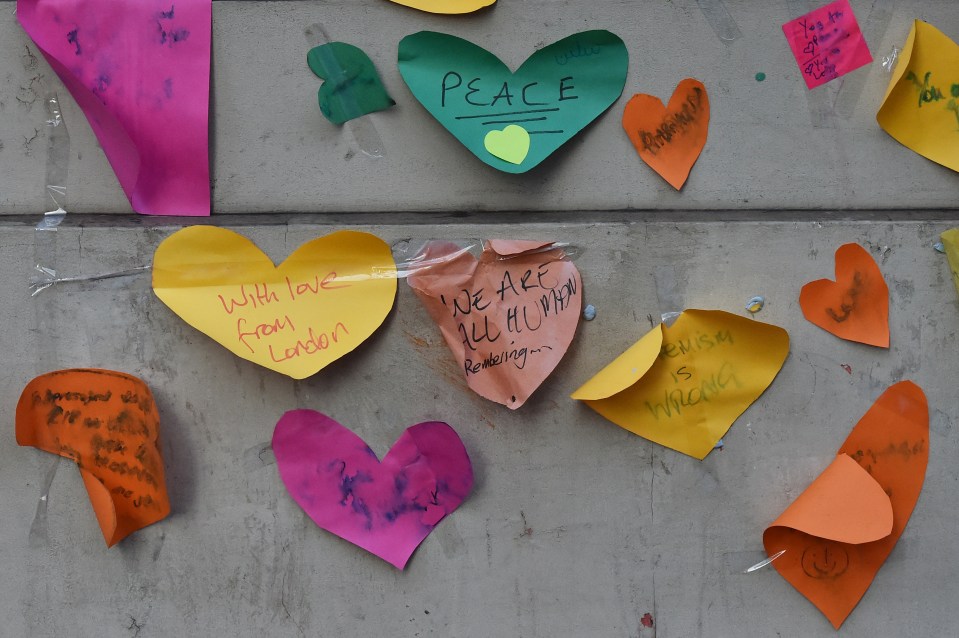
508	317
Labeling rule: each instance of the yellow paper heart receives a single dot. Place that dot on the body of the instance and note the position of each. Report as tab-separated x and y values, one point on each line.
328	297
446	6
510	145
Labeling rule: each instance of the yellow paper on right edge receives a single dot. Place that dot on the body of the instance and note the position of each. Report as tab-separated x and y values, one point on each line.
950	241
921	106
683	385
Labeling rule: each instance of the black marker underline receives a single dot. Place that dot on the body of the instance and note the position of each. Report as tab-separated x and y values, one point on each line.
529	119
468	117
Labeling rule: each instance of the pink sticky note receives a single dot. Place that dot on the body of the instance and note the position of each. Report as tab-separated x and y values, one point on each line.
140	70
386	507
827	43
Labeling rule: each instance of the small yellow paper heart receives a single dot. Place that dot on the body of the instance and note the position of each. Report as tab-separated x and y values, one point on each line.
510	145
328	297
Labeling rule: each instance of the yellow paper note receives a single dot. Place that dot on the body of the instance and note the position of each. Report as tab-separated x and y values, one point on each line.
921	107
683	385
950	241
329	296
446	6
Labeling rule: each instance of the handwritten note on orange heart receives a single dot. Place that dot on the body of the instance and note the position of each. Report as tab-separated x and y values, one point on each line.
670	138
508	317
855	307
107	423
839	531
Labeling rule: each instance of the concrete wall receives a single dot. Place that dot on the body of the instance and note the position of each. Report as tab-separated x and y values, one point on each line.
575	527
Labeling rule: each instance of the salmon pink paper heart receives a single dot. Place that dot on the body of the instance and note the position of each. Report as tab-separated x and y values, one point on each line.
855	307
670	138
508	317
386	507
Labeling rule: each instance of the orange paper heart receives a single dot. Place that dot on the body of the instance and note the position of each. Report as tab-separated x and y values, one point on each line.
671	138
855	307
838	533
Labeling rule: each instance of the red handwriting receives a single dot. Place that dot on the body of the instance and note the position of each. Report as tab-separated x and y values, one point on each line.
262	330
313	343
262	295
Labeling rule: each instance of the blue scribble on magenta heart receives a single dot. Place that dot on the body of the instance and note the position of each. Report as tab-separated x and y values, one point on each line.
170	35
73	38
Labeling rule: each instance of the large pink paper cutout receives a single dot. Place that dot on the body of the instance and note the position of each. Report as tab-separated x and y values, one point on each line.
386	507
508	317
140	70
827	43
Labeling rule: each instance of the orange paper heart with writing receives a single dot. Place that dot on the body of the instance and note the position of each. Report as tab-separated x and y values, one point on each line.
670	138
855	307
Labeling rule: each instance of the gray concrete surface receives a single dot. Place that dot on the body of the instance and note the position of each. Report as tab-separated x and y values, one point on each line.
575	527
772	144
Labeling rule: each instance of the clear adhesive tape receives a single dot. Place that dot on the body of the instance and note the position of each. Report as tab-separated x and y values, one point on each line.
410	254
718	17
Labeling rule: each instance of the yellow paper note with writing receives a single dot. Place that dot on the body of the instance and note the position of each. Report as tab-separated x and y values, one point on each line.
950	242
329	296
921	107
446	6
683	385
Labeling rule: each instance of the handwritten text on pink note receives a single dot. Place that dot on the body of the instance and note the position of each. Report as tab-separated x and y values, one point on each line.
827	43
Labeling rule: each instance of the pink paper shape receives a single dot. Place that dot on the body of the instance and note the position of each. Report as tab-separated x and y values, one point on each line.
827	43
140	70
386	507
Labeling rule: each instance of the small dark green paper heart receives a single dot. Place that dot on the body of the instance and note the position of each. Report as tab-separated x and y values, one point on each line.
351	86
551	97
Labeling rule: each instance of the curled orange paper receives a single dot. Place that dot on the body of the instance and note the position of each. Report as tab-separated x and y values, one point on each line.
107	423
838	533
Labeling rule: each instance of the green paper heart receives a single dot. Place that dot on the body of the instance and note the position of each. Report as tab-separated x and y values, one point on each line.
351	86
555	93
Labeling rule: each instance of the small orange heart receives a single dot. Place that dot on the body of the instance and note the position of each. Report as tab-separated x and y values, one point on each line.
855	307
671	138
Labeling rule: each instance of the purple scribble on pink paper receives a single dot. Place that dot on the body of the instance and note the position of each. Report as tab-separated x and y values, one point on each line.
140	70
386	507
827	43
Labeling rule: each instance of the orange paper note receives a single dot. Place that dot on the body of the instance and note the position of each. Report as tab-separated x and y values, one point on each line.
855	307
838	533
670	138
508	317
107	423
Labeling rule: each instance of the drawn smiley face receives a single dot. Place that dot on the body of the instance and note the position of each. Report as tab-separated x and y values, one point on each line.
824	560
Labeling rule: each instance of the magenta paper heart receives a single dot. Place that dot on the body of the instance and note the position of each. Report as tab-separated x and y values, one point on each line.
386	507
